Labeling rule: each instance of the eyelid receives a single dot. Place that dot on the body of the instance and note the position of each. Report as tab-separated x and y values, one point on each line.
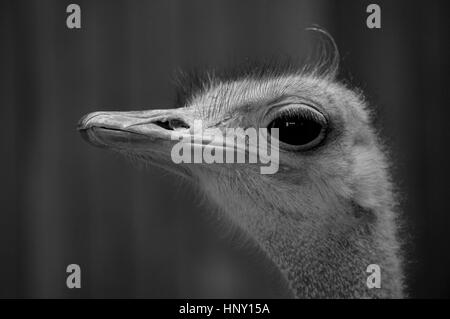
293	100
305	111
280	109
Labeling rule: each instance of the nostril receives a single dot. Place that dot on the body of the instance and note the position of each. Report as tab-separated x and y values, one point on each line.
163	124
178	124
172	124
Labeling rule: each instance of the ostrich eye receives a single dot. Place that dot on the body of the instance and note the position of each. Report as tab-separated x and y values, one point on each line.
300	127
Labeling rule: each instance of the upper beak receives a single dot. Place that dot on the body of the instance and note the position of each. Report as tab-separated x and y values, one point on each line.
133	130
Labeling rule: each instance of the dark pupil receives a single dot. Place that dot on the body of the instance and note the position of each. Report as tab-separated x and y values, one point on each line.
296	130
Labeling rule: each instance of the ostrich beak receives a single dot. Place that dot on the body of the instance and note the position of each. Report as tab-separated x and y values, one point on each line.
133	131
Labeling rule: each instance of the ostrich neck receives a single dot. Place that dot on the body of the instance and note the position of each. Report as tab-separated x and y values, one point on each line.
327	257
333	264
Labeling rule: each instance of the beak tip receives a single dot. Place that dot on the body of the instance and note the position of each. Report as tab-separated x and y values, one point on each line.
86	119
81	124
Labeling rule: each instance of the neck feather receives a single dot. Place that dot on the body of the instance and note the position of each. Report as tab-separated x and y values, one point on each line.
323	254
332	263
321	243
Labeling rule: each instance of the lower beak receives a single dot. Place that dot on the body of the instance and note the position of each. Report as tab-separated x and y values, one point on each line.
133	131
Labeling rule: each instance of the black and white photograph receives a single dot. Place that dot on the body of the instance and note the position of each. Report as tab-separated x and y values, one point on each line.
223	150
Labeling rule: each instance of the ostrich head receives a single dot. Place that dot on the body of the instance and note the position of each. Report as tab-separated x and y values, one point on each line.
325	215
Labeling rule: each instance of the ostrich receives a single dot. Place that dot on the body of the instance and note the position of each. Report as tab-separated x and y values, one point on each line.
326	214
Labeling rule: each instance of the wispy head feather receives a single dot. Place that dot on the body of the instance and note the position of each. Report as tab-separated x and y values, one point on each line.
322	62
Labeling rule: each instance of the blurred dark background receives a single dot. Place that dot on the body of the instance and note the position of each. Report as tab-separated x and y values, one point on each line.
139	233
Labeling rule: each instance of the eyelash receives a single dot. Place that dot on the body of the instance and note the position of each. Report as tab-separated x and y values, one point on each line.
307	111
